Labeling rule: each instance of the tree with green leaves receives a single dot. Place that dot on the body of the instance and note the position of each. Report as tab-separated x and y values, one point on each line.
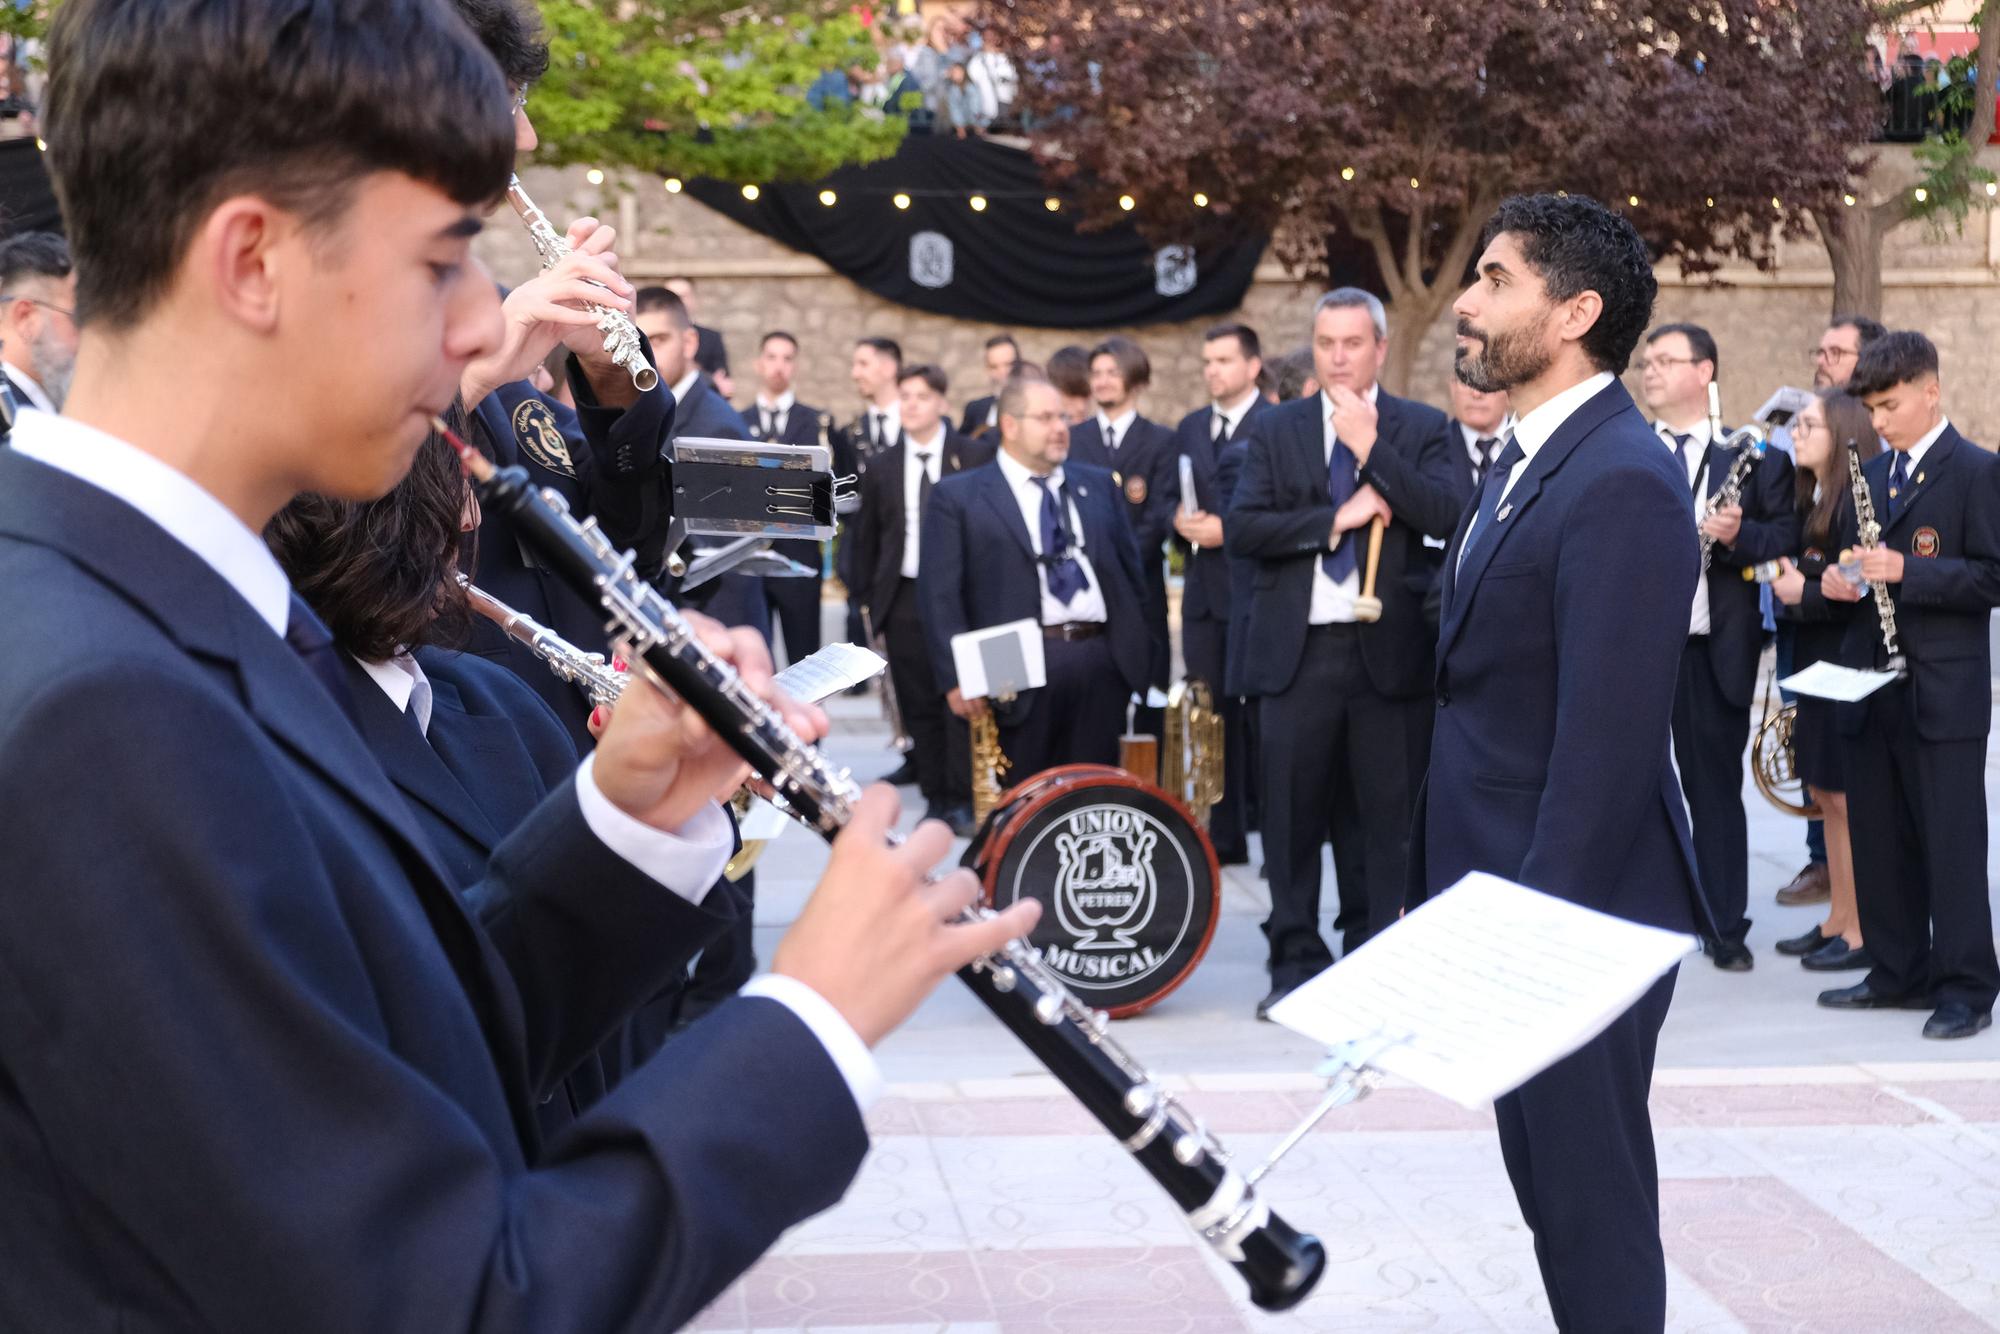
1952	164
1719	125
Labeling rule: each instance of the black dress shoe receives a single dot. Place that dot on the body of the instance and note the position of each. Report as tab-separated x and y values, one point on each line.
903	775
1861	996
1837	956
1955	1019
1731	958
1802	945
1278	992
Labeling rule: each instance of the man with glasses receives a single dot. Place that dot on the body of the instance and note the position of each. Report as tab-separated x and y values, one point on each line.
1832	362
37	328
1718	675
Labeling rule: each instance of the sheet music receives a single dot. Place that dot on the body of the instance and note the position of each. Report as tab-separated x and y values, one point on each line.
971	656
1489	984
835	667
1845	685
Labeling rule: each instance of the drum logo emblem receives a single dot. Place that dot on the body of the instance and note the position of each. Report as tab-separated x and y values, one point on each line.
1105	888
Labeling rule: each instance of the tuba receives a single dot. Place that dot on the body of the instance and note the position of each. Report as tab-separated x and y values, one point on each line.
1191	750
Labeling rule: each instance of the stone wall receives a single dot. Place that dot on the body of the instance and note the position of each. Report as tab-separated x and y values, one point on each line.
1764	324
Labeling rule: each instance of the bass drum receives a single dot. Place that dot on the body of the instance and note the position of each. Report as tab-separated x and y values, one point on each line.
1128	882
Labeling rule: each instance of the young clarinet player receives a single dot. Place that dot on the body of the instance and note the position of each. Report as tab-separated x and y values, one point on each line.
1825	505
1915	750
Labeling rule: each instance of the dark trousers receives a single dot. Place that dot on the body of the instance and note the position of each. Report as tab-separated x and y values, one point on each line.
1916	813
1205	646
1578	1145
1339	759
941	752
1075	719
1787	638
1709	736
794	605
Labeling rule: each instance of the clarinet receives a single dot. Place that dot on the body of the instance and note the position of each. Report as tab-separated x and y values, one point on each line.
1751	438
1279	1263
1868	530
621	336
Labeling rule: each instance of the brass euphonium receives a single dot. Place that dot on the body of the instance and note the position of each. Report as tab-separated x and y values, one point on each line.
1774	762
1191	750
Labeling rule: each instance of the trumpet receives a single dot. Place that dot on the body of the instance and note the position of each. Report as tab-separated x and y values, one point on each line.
621	336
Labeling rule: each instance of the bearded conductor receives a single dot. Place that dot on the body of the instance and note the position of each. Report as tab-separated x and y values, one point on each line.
1565	602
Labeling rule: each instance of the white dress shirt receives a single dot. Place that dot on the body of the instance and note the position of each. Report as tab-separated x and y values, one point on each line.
1922	447
1228	417
779	410
402	679
1333	603
1472	439
892	421
1534	430
1087	605
686	862
1691	461
685	385
31	388
1115	429
914	469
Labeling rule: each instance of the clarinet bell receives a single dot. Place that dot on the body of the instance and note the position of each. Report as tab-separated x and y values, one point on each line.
1281	1265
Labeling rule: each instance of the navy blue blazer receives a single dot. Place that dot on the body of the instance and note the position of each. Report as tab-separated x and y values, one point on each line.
1147	474
1551	757
1948	528
1281	518
260	1068
1205	587
978	565
877	529
802	427
605	462
974	420
1770	530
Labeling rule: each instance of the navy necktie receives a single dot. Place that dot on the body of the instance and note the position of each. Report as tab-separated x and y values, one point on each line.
307	636
1899	482
1490	492
1065	574
1484	445
1339	562
924	482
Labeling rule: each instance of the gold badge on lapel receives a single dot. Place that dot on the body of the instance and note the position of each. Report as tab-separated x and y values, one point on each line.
535	430
1135	490
1925	543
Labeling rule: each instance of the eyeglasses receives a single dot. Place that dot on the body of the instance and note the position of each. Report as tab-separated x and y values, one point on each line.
1661	363
45	305
1042	418
1832	355
520	102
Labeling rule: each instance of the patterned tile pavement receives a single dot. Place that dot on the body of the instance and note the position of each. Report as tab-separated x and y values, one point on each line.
1821	1173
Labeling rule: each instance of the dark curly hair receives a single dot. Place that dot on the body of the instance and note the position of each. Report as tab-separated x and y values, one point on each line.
1900	356
383	575
1575	244
511	31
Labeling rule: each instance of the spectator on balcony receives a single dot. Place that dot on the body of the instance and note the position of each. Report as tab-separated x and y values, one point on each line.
961	105
994	78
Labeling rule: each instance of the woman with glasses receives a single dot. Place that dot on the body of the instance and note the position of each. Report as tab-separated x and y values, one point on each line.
1820	439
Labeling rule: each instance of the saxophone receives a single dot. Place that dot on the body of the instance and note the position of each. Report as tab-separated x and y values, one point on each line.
1868	531
989	764
1191	751
621	336
1751	438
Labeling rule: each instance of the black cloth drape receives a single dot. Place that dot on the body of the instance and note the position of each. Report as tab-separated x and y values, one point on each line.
27	202
1014	263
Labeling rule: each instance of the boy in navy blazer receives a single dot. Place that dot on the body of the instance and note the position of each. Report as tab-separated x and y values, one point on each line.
1915	750
1565	607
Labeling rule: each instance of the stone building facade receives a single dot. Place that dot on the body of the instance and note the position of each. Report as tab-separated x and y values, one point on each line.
1764	323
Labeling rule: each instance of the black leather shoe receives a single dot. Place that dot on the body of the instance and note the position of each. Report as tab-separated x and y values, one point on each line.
1731	958
1955	1019
1278	993
1837	956
1802	945
903	775
1861	996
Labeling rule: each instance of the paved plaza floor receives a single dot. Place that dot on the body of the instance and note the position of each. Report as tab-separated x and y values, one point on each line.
1821	1173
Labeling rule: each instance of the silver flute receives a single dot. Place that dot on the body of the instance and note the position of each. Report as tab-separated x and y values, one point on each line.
588	672
621	336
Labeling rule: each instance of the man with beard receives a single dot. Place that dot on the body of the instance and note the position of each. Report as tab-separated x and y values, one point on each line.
1565	607
37	328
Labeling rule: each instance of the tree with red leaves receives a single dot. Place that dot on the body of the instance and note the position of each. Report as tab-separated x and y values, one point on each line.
1719	125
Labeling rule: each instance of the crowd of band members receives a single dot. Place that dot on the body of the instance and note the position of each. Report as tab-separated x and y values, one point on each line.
1328	721
1055	498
